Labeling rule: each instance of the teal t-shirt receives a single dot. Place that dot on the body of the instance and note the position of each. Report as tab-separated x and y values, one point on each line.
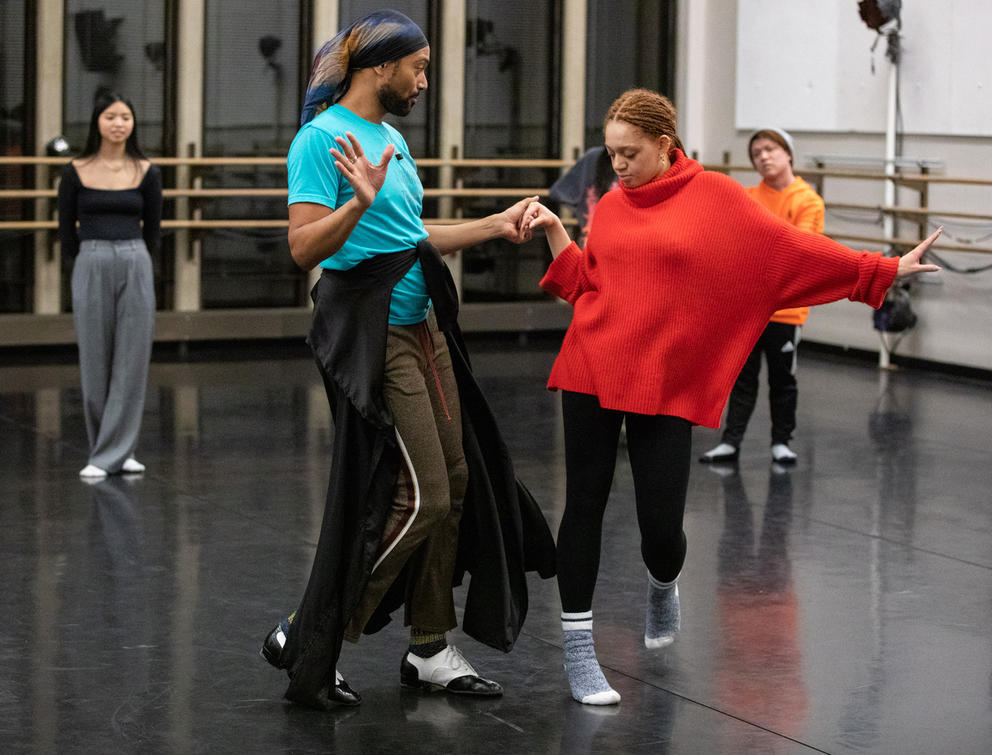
391	223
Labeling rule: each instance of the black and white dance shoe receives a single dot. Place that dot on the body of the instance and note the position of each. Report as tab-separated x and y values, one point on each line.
271	651
448	671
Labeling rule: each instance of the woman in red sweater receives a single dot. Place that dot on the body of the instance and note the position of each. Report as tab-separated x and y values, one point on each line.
680	274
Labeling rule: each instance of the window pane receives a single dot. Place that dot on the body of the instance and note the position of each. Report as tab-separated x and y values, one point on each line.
417	126
252	90
510	79
16	137
252	83
117	45
511	110
637	37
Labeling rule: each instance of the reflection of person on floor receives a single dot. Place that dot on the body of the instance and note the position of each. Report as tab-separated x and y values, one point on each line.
759	670
680	274
789	197
386	342
583	186
115	196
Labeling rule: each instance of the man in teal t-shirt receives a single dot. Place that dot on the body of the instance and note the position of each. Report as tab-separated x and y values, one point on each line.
354	194
390	224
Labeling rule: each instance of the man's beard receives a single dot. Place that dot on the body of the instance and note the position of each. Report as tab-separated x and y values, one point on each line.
393	103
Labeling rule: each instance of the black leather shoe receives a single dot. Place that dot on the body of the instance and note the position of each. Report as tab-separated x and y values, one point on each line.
275	641
326	699
343	694
448	671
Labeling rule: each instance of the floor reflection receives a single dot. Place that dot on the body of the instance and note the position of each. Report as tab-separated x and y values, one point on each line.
841	605
760	669
890	430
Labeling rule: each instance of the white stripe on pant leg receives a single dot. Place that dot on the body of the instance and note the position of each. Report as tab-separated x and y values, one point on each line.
416	501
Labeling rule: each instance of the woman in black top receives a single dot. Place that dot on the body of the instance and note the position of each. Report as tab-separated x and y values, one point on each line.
115	196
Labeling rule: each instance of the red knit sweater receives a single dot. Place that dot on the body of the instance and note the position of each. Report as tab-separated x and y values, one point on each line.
678	279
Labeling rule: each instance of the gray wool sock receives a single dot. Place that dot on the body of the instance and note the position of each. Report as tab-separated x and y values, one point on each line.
585	677
663	615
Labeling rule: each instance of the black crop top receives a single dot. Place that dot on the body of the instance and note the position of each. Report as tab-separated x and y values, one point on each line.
109	214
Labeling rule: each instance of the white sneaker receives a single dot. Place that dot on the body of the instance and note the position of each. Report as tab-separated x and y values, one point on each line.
720	455
132	466
447	670
89	472
782	454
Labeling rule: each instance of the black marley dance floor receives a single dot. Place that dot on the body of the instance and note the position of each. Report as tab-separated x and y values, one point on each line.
843	605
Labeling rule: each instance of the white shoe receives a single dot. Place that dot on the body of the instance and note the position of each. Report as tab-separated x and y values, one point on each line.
447	670
721	454
132	466
89	472
782	454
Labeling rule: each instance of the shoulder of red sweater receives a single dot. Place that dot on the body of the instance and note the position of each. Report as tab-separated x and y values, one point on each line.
722	189
715	180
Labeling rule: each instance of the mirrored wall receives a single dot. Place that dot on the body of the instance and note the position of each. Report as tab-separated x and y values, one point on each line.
242	66
17	54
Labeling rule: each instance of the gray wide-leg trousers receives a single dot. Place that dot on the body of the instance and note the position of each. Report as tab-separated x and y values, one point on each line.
113	308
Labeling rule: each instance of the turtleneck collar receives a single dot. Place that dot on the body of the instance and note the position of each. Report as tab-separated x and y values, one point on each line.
667	184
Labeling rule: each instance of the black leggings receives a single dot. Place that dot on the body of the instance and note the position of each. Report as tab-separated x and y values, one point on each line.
660	454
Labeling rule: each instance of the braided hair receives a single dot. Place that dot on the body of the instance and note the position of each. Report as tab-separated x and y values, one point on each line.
652	113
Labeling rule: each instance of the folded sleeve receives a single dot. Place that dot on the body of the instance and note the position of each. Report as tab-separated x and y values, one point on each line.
806	269
566	277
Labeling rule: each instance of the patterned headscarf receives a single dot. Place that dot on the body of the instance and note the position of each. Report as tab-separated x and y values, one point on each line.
379	37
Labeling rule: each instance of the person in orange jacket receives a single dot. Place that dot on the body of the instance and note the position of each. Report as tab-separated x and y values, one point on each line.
789	197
